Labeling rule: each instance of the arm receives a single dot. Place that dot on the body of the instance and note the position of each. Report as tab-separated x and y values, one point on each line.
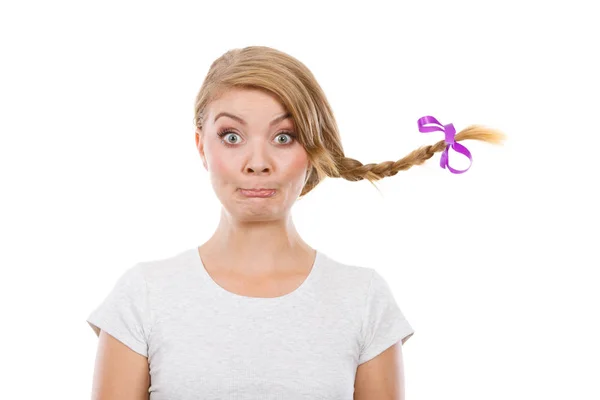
120	373
381	378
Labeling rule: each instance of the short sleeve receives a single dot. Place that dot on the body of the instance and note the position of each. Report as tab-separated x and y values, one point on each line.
383	321
124	313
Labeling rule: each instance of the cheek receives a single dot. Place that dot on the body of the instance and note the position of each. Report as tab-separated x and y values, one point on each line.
219	163
296	163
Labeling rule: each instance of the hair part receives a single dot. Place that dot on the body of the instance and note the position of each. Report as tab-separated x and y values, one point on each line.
289	80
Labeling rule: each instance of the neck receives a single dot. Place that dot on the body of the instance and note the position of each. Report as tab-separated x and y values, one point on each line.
257	247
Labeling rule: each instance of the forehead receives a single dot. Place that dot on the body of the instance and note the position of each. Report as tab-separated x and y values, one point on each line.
246	103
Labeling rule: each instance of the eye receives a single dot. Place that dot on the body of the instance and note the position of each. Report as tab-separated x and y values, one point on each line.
290	134
231	134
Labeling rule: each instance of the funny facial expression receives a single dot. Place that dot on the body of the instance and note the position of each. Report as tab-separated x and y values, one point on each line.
248	142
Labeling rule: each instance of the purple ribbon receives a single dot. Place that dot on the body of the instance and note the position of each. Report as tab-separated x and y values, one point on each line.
450	132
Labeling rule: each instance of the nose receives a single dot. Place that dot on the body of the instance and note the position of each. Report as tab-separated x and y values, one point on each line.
257	168
259	161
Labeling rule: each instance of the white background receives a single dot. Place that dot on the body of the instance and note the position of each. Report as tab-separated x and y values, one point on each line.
494	268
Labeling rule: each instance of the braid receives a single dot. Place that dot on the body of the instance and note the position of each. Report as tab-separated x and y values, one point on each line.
353	170
340	166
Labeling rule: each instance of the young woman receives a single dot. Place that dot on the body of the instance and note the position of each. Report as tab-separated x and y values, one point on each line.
255	312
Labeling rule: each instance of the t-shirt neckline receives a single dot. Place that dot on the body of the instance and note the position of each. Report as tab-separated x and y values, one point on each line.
305	285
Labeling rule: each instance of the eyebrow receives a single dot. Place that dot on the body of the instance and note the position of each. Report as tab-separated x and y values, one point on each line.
241	121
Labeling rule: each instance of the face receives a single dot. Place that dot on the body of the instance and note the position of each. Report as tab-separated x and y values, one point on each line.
258	149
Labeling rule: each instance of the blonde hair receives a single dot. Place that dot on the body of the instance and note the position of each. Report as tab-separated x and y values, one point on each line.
277	73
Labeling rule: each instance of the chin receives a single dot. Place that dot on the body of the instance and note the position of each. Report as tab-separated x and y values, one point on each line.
256	209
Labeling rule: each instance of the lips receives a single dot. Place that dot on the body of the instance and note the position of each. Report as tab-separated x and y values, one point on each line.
258	192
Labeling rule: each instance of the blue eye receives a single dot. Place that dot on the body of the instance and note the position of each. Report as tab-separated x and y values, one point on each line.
221	134
229	131
292	136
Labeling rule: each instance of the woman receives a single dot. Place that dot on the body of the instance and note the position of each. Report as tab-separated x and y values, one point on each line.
255	312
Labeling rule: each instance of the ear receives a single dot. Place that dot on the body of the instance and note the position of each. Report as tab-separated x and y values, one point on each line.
200	147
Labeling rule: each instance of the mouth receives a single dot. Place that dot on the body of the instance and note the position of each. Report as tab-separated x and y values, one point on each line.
263	192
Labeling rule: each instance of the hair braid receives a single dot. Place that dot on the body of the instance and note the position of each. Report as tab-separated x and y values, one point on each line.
353	170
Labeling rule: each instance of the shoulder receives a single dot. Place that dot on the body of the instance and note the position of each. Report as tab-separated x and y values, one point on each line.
347	275
172	267
363	277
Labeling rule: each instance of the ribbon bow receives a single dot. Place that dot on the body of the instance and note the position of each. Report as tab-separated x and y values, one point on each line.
450	132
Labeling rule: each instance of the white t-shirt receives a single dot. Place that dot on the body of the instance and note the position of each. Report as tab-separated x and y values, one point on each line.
204	342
